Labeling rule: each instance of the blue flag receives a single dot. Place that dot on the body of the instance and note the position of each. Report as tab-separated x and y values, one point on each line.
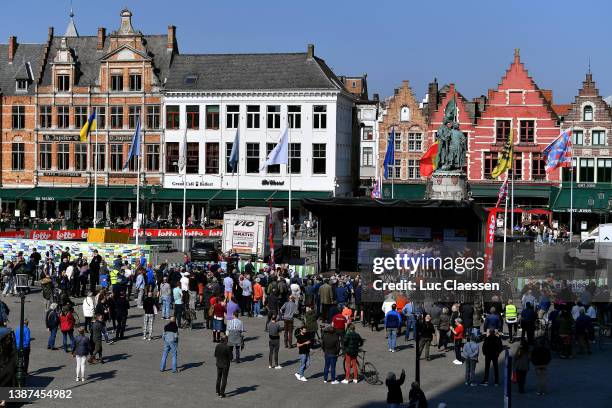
390	155
135	148
233	159
559	152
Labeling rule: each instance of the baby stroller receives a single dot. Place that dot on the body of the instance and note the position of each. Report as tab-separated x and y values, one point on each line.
188	317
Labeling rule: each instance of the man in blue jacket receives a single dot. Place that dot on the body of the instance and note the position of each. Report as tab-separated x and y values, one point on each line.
393	321
492	322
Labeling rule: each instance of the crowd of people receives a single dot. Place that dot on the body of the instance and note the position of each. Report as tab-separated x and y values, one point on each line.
313	312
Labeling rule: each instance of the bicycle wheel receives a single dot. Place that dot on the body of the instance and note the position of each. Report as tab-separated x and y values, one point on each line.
370	373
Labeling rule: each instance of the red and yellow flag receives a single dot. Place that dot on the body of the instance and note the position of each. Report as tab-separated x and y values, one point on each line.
428	162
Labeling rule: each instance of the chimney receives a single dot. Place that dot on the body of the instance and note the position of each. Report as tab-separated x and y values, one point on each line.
12	48
101	38
375	97
50	34
171	37
310	51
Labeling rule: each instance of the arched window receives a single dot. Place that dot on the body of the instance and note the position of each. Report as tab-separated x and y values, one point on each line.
587	113
405	114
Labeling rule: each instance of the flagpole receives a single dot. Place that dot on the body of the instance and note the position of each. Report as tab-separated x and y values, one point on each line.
505	225
95	206
571	226
138	163
289	171
184	187
393	158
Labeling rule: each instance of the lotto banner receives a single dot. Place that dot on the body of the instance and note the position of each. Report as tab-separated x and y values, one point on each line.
81	234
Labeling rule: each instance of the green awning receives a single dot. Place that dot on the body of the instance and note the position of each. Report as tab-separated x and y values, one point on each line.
298	195
50	193
490	190
12	194
176	194
108	194
595	198
404	191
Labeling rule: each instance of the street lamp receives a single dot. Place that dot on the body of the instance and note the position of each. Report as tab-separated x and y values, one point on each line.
22	286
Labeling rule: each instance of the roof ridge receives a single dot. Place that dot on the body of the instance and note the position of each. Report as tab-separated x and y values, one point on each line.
232	54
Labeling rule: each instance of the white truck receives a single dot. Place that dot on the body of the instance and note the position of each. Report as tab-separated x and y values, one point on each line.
596	248
246	231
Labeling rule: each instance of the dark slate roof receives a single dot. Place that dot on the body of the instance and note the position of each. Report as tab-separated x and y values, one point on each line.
250	71
25	53
88	57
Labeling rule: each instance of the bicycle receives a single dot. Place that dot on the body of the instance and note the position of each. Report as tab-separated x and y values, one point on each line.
603	333
367	369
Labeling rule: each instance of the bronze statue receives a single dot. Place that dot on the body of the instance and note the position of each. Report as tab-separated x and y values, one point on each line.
452	147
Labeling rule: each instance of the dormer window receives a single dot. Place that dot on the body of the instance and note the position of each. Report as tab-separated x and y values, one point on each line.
405	114
21	85
63	83
587	113
190	80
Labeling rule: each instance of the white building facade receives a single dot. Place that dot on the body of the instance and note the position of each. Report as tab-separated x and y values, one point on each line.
367	113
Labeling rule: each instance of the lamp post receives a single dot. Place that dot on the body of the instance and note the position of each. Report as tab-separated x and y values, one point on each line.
21	285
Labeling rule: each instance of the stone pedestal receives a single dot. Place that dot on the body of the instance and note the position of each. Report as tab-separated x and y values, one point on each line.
447	185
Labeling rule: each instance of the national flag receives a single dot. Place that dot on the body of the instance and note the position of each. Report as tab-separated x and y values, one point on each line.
135	147
559	152
429	161
504	161
182	161
280	153
390	155
233	159
503	192
88	126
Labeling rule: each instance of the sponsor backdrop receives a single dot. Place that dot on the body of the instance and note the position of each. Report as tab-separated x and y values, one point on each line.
81	234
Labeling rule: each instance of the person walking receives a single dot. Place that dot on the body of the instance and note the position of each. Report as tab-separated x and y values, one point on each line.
540	358
470	353
177	295
330	344
393	321
80	353
352	342
26	343
223	357
97	330
170	337
521	365
426	334
303	344
150	310
235	339
491	348
394	389
219	312
121	312
165	293
458	340
288	312
274	328
66	320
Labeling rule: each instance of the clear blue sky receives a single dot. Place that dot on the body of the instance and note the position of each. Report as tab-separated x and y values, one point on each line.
469	42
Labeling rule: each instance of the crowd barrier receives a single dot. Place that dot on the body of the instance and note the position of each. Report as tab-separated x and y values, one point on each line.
81	234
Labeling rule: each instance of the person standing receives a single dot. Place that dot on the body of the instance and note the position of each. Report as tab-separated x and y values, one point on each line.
247	295
219	312
139	286
165	292
258	294
330	344
511	316
394	389
170	337
121	311
470	355
97	330
528	320
288	312
89	307
150	310
177	295
540	358
327	299
223	357
235	339
274	328
521	365
26	343
491	348
80	353
458	340
228	286
94	270
352	342
303	344
393	320
426	334
67	327
443	329
52	323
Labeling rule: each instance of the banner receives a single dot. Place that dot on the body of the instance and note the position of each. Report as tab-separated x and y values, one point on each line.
12	234
489	242
172	232
81	234
59	235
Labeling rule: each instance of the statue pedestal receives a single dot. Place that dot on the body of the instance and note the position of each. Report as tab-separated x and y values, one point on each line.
447	185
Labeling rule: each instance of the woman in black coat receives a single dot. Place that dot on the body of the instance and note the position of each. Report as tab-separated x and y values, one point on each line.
394	387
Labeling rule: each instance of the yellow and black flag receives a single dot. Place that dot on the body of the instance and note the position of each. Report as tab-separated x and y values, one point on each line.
88	126
504	161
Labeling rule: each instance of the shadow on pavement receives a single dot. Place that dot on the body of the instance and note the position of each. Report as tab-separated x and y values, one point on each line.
101	376
116	357
39	381
241	390
191	365
47	370
289	362
251	357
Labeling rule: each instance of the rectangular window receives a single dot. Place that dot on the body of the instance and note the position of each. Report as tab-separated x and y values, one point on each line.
587	170
45	161
566	174
367	133
502	131
527	129
578	137
135	82
538	165
63	156
18	156
295	158
116	157
21	85
515	97
192	113
320	117
172	157
18	117
193	158
80	116
518	166
274	117
132	163
232	116
367	156
133	116
415	142
212	116
45	117
598	137
153	116
100	117
116	117
398	141
252	117
318	158
152	157
396	171
252	157
294	116
604	170
100	157
63	83
172	117
228	153
275	168
117	82
212	158
414	171
63	117
80	157
490	161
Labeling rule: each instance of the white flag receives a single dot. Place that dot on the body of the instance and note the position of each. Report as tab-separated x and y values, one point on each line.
280	153
182	162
